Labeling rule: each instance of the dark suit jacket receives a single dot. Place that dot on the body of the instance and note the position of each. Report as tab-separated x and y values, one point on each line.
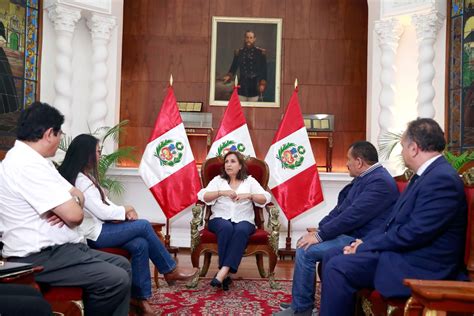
363	205
252	65
424	237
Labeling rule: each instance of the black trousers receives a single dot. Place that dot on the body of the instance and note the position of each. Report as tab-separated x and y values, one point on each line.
104	278
19	300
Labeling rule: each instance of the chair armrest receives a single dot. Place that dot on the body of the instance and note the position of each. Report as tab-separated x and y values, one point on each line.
274	225
197	221
429	291
23	277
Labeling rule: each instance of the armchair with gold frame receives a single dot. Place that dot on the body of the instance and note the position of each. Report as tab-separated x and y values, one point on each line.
261	242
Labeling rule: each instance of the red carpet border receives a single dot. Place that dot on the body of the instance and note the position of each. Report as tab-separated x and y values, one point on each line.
245	297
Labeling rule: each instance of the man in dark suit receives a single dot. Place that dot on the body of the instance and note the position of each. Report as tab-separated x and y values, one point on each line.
422	239
362	205
251	62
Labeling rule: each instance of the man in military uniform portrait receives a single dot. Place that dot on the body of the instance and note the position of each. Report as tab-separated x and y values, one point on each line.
251	63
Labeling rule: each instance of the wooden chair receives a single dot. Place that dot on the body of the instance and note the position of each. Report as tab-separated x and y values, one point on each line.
260	243
372	303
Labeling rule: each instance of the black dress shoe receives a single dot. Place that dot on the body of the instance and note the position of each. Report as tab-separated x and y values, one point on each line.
216	283
225	284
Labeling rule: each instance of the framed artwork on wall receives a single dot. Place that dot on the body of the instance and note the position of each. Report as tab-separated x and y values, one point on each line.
19	54
249	49
460	76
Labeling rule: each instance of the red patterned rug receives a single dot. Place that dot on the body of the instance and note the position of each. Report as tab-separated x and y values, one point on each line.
245	297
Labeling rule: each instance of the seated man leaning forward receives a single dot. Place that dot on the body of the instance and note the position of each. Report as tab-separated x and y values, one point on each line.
422	239
362	205
40	211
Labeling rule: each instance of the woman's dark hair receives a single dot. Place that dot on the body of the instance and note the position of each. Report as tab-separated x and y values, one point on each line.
81	157
37	119
242	174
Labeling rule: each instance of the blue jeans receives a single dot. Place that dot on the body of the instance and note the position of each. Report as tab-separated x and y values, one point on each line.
304	275
140	240
232	239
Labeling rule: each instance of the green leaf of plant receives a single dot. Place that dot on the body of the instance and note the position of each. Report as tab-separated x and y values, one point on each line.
387	143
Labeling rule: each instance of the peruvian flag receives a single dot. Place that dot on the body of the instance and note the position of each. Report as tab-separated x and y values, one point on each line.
168	167
294	178
233	133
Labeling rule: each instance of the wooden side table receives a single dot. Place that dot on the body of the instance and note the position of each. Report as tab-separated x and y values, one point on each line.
200	139
439	297
328	140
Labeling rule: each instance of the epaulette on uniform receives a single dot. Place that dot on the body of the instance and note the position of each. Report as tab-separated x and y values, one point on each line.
262	50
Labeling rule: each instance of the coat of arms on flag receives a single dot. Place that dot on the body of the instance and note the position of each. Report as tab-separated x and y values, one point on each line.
170	152
291	155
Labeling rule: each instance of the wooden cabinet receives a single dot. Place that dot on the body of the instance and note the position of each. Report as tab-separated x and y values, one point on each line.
322	144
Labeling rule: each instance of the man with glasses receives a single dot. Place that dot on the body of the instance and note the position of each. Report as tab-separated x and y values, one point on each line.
40	210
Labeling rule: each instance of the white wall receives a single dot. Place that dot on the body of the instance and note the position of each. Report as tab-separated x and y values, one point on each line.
82	68
407	70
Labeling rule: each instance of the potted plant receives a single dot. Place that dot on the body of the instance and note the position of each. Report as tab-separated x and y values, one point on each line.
389	140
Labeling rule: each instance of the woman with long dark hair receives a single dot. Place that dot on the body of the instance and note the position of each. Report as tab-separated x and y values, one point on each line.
135	235
231	196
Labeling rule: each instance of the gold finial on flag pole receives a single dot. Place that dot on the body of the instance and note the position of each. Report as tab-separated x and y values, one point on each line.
236	81
171	80
296	83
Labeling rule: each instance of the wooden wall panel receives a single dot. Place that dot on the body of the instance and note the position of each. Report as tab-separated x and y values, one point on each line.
324	45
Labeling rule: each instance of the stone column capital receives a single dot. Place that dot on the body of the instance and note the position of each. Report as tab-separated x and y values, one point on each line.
101	25
64	17
388	31
428	24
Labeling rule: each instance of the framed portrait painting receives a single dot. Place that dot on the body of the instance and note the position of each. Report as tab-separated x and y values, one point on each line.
246	51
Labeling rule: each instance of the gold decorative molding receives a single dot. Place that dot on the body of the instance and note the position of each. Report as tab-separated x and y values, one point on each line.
468	177
367	307
195	223
274	226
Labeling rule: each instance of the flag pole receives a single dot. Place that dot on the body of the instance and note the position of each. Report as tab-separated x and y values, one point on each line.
288	251
173	250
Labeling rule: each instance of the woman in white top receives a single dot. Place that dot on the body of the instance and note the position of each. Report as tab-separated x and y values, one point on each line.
106	224
231	196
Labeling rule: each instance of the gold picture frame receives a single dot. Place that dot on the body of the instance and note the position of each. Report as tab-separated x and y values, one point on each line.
227	42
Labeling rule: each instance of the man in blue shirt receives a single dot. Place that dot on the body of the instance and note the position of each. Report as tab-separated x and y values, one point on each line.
363	205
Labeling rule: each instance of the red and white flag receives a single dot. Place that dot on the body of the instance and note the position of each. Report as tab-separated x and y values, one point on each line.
168	167
294	178
233	133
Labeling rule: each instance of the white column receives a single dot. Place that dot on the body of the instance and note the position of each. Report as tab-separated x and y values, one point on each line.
64	19
389	32
101	27
427	26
